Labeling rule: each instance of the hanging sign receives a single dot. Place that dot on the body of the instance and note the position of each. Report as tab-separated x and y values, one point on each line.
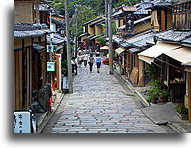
129	26
51	48
22	122
50	66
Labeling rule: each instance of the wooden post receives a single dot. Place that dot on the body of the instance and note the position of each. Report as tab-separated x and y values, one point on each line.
163	20
189	96
141	73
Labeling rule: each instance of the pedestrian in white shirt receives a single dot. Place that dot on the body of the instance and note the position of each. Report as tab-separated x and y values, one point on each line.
80	59
85	59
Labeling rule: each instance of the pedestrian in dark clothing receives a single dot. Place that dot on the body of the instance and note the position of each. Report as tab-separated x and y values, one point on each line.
74	66
91	61
98	62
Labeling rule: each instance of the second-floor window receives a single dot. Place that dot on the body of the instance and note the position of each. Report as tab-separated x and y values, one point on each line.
182	16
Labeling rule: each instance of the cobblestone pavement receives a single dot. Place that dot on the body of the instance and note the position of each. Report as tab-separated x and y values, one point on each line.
99	104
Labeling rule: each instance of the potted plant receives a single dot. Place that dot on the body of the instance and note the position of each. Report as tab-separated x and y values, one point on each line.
153	92
163	95
182	112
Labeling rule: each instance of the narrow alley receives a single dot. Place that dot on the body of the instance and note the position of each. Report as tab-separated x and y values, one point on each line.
99	104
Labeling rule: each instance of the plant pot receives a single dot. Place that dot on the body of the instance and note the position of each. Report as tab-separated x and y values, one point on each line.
162	100
182	116
154	101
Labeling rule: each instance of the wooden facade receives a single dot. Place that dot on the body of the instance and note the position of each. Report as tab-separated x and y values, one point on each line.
23	75
161	19
182	15
30	71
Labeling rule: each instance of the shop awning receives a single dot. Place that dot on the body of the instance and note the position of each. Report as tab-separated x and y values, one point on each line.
149	54
119	50
182	55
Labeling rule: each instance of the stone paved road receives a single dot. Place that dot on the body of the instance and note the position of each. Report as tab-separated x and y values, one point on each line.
99	104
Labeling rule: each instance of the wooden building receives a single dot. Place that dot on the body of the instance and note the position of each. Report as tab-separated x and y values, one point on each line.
30	64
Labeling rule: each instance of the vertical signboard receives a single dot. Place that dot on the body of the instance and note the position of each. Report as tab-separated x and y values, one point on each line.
22	122
129	26
65	83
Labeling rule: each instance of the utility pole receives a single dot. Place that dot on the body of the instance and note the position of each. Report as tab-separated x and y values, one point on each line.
50	49
106	15
76	41
110	38
70	78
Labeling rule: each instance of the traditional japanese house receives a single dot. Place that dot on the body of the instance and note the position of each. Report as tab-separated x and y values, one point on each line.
32	89
30	66
161	17
172	52
122	43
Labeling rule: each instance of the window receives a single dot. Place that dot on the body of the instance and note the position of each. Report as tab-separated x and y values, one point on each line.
182	16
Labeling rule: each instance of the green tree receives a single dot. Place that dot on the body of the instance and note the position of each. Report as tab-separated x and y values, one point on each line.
85	14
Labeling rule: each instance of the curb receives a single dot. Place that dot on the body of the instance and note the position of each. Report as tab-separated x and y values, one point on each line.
48	117
176	127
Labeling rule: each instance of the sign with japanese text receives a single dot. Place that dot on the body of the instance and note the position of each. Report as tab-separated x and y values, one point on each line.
22	122
51	48
129	22
65	83
50	66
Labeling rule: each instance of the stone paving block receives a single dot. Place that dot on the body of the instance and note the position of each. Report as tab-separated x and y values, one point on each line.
101	106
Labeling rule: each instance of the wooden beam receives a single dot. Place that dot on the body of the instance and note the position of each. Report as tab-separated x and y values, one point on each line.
189	96
20	79
17	101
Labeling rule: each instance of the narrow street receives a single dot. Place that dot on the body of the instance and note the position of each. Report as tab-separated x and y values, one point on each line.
99	104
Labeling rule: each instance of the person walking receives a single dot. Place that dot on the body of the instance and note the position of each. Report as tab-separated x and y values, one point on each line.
91	61
85	59
80	59
74	66
98	62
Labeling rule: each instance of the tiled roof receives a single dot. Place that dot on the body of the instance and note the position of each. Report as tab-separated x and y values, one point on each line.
83	34
22	30
92	20
142	40
56	21
57	39
117	39
174	36
96	36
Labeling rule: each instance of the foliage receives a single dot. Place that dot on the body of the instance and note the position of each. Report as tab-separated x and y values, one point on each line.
85	14
102	40
181	109
164	93
87	10
64	67
151	71
118	3
156	91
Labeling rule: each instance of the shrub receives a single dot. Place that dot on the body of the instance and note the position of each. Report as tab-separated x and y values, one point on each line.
181	109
